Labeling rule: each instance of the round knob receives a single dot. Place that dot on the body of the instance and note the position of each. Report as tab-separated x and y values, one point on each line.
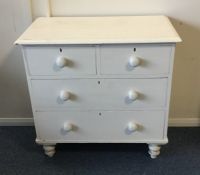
133	95
67	127
61	62
64	95
134	61
132	126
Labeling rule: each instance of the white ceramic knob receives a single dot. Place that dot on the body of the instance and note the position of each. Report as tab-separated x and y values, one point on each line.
133	95
132	126
133	61
61	62
67	127
64	95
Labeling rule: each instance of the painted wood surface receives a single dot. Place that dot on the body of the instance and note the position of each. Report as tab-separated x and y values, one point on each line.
61	60
152	59
98	30
99	93
98	108
99	126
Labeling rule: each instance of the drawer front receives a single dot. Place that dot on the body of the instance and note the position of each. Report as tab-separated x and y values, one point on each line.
118	126
68	60
99	93
135	59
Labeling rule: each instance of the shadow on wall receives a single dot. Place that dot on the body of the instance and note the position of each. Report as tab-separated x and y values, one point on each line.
185	100
14	101
14	98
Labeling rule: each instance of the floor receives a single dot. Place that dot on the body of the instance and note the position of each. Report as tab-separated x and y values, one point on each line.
19	155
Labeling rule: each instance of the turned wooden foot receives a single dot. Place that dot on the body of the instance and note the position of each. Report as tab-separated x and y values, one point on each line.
154	150
49	150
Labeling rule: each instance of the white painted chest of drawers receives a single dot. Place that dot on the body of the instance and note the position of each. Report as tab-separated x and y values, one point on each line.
100	79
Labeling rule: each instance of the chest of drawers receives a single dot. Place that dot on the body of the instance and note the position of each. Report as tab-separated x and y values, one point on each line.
100	79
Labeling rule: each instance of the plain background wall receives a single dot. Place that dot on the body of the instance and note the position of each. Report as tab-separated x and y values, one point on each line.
15	16
184	14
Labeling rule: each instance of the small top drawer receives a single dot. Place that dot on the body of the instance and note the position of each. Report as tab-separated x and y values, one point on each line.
147	59
63	60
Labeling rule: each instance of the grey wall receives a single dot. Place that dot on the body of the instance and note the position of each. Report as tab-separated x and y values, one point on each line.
15	16
14	99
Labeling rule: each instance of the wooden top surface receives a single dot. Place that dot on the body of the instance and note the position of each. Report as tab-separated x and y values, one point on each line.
100	30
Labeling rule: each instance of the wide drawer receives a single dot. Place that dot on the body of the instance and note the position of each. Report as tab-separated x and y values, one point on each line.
63	60
99	93
95	126
140	59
